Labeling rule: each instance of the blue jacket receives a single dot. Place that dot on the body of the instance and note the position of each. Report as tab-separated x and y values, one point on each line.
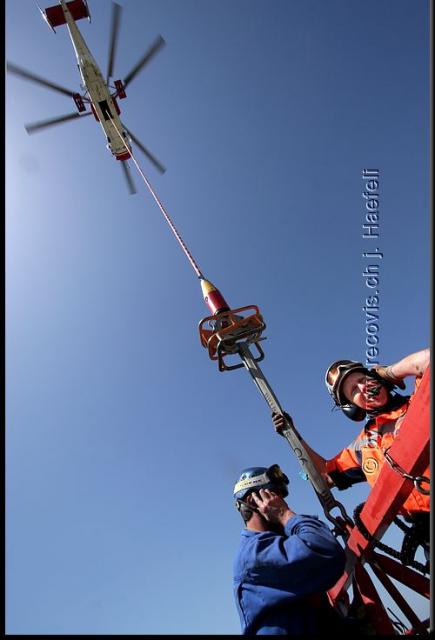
273	575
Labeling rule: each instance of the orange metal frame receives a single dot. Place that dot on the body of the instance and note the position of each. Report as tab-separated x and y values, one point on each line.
232	326
411	451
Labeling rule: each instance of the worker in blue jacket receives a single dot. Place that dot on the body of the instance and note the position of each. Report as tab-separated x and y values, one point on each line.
285	562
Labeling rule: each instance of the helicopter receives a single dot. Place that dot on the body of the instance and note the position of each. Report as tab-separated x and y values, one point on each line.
99	98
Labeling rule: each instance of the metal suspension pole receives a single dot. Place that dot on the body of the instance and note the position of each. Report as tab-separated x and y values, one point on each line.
319	484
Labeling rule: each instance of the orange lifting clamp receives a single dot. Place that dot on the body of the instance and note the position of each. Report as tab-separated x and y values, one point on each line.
227	330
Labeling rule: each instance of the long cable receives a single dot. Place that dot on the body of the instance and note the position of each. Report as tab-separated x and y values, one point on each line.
163	210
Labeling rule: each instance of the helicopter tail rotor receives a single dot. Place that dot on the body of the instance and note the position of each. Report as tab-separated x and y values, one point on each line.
55	16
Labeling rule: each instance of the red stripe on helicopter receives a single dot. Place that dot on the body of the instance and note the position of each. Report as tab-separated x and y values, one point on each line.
55	15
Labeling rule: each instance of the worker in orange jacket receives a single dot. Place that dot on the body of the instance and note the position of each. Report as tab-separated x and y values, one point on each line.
362	393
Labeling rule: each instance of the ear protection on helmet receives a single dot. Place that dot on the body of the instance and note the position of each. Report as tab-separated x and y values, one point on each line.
276	474
353	412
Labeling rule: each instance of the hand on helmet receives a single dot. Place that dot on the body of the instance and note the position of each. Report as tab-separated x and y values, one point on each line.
272	507
386	374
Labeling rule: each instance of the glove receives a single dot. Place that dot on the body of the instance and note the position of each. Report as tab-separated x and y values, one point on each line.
279	419
385	373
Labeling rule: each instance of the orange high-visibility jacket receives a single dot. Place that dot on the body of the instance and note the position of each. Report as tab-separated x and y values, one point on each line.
364	457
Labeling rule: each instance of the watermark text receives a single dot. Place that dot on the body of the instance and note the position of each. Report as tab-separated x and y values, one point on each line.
371	272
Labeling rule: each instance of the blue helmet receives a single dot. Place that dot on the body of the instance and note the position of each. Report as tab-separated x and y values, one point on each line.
255	478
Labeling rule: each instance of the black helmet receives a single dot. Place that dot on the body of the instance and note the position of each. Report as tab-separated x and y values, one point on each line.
335	376
255	478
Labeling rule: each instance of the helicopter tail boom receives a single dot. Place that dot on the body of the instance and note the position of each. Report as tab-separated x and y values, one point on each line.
55	16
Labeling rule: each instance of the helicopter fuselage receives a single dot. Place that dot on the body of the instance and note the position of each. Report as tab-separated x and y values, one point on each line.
104	106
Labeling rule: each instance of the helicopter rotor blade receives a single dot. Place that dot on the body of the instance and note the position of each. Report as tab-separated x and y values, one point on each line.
28	75
144	150
33	127
158	43
116	18
128	178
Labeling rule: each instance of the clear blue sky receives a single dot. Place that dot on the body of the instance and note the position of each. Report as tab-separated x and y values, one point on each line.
123	439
